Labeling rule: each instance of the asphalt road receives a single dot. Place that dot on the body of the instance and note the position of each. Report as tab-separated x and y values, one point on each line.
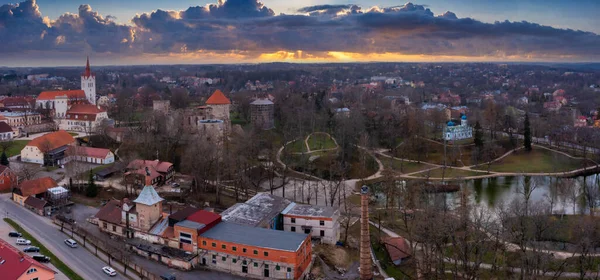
79	259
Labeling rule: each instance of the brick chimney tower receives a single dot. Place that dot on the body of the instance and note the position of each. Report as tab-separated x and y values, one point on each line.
366	266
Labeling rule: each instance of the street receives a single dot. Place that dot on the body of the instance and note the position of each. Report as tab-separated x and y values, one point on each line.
80	260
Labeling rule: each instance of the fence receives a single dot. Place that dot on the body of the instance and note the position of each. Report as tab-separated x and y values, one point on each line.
118	257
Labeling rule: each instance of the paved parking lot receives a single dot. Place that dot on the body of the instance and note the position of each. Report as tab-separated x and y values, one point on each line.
6	228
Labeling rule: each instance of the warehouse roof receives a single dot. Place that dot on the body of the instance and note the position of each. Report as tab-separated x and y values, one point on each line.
258	237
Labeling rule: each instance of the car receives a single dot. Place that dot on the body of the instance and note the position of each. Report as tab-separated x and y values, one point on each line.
109	270
14	234
22	241
41	258
168	277
31	249
71	243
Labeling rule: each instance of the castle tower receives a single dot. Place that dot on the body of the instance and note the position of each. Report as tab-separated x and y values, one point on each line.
219	104
88	83
366	266
148	204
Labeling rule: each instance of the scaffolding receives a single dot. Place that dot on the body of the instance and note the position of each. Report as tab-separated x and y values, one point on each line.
58	197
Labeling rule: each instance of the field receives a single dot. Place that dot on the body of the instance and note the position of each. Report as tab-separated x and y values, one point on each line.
16	147
297	146
536	161
402	166
320	141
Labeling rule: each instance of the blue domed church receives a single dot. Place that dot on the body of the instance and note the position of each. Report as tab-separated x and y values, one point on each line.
452	131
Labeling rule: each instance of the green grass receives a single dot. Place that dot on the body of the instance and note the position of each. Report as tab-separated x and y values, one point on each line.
449	173
320	141
297	146
73	134
16	147
401	166
538	160
44	251
101	167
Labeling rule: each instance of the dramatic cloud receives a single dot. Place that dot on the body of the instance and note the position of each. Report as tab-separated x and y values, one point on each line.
249	29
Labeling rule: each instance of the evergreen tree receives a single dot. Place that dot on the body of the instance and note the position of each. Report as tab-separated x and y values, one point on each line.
478	135
527	134
92	189
4	159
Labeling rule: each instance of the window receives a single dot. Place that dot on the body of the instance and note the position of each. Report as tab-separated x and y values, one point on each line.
277	267
255	264
266	266
214	244
114	228
234	248
105	226
203	242
293	220
214	259
322	233
289	269
244	262
256	252
293	229
307	231
223	246
266	254
224	258
31	270
244	250
321	223
234	260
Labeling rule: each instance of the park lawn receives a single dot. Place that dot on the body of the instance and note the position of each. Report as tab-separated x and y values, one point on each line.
297	146
16	147
449	173
320	141
402	166
457	155
44	251
539	160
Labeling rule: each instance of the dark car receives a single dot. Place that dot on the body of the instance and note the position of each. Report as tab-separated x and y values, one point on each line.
31	249
168	277
14	234
41	258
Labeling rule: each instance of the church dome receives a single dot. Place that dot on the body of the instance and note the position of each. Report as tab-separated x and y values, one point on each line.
464	117
450	123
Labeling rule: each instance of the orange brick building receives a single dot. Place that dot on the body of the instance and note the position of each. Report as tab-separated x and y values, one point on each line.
8	178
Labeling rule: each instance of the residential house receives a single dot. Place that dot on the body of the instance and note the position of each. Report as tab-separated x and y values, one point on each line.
398	249
21	120
38	206
35	188
580	121
49	149
552	106
91	155
320	222
17	265
6	132
160	171
7	178
83	118
17	104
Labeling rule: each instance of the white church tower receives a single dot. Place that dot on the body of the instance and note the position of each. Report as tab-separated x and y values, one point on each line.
88	83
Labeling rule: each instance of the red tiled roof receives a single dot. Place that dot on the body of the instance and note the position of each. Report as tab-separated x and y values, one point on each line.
397	248
15	263
71	94
85	109
111	212
36	186
88	152
204	217
218	98
52	140
35	202
160	166
4	127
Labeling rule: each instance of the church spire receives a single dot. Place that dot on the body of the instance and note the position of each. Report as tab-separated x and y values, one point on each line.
88	71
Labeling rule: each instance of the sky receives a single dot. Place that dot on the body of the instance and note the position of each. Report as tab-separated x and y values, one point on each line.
111	32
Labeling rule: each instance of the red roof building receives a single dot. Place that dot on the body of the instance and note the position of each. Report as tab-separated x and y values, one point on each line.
92	155
160	171
18	265
397	248
7	178
52	141
77	94
218	98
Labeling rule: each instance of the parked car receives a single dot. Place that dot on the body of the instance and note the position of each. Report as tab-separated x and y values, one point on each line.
41	258
14	234
22	241
168	277
71	243
31	249
109	270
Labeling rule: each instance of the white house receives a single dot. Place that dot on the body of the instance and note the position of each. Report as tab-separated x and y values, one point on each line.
321	222
83	117
49	149
91	155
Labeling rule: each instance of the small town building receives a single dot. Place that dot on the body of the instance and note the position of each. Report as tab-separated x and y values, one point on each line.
58	101
7	178
6	132
83	118
262	210
149	208
17	265
262	113
38	206
21	120
49	149
91	155
398	249
219	105
35	188
454	132
161	172
320	222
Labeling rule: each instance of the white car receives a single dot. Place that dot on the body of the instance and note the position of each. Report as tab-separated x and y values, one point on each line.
22	241
71	243
109	270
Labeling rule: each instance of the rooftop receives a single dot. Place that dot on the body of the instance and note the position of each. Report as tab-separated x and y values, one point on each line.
52	140
4	128
148	196
15	263
218	98
88	152
258	237
72	94
309	210
262	101
190	224
85	109
111	212
35	186
259	209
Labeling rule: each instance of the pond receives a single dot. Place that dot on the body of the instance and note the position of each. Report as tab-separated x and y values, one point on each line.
566	194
